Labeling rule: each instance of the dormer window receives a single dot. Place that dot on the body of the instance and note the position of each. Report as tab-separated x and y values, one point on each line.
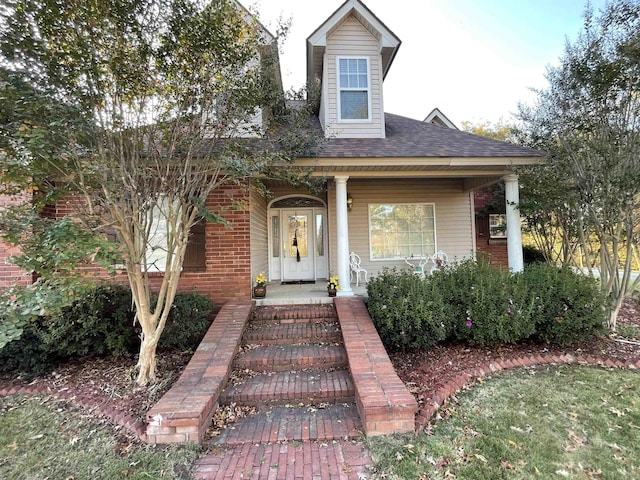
354	93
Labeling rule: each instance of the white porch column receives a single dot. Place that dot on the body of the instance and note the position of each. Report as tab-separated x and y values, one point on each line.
514	227
342	231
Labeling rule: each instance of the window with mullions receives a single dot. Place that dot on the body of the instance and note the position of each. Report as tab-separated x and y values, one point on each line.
353	89
398	231
497	225
156	255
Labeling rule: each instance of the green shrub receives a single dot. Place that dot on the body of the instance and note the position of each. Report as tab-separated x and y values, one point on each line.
485	305
532	255
100	322
481	305
188	321
405	310
569	305
27	356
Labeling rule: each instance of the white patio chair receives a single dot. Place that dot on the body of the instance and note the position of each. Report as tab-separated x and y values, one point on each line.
417	264
440	260
354	265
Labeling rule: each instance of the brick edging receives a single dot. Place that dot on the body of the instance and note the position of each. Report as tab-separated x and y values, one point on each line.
473	374
133	425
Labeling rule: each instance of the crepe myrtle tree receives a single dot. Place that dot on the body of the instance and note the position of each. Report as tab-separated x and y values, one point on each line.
588	120
163	95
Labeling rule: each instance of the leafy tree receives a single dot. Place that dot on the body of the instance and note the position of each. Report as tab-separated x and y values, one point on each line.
588	119
498	131
160	98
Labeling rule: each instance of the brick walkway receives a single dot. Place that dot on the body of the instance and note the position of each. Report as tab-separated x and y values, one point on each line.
293	367
286	461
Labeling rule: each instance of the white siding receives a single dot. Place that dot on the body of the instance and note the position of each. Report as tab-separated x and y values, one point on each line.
351	38
453	208
251	128
259	235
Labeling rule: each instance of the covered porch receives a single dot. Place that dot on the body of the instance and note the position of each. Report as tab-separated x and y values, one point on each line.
304	293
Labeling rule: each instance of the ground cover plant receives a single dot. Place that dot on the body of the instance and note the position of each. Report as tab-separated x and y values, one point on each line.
544	422
41	438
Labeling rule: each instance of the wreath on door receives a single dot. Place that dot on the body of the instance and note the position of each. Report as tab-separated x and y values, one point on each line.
295	244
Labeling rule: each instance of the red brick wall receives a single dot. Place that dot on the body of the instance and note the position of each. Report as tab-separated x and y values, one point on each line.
481	198
494	251
227	275
228	256
10	274
495	254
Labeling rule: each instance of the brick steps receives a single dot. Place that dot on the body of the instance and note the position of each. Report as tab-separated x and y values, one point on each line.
282	358
382	402
294	368
287	314
271	333
282	388
280	424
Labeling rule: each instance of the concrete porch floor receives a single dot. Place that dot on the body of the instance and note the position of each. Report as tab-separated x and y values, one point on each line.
307	293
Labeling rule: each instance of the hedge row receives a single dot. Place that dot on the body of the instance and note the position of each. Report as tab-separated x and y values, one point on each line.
100	323
481	305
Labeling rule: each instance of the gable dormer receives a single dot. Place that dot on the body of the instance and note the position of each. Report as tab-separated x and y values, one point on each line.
348	57
438	118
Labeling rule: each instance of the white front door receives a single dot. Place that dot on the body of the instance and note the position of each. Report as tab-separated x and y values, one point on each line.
298	245
298	240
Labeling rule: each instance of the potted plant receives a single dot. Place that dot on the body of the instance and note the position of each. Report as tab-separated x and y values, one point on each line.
333	285
260	289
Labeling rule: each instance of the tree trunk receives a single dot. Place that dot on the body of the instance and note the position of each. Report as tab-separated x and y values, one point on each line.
147	361
612	322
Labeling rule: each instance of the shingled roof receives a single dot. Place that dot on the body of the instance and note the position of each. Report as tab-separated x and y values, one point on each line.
406	137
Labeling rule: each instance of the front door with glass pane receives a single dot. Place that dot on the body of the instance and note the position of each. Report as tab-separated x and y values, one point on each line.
298	243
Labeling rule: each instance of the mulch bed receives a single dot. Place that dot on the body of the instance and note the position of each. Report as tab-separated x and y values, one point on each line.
111	381
429	373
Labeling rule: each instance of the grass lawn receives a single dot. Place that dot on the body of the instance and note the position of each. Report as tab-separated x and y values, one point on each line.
48	439
548	423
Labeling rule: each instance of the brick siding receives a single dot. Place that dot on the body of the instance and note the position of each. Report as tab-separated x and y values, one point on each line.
11	275
227	273
492	250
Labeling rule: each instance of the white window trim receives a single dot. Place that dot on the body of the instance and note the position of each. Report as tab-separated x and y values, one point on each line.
395	259
503	234
340	89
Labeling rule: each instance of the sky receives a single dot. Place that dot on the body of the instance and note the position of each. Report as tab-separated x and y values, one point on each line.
475	60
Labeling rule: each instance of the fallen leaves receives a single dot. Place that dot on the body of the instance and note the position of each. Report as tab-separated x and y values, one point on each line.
227	415
506	465
575	442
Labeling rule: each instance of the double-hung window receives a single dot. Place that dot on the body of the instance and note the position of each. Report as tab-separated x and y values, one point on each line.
354	89
498	225
157	248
